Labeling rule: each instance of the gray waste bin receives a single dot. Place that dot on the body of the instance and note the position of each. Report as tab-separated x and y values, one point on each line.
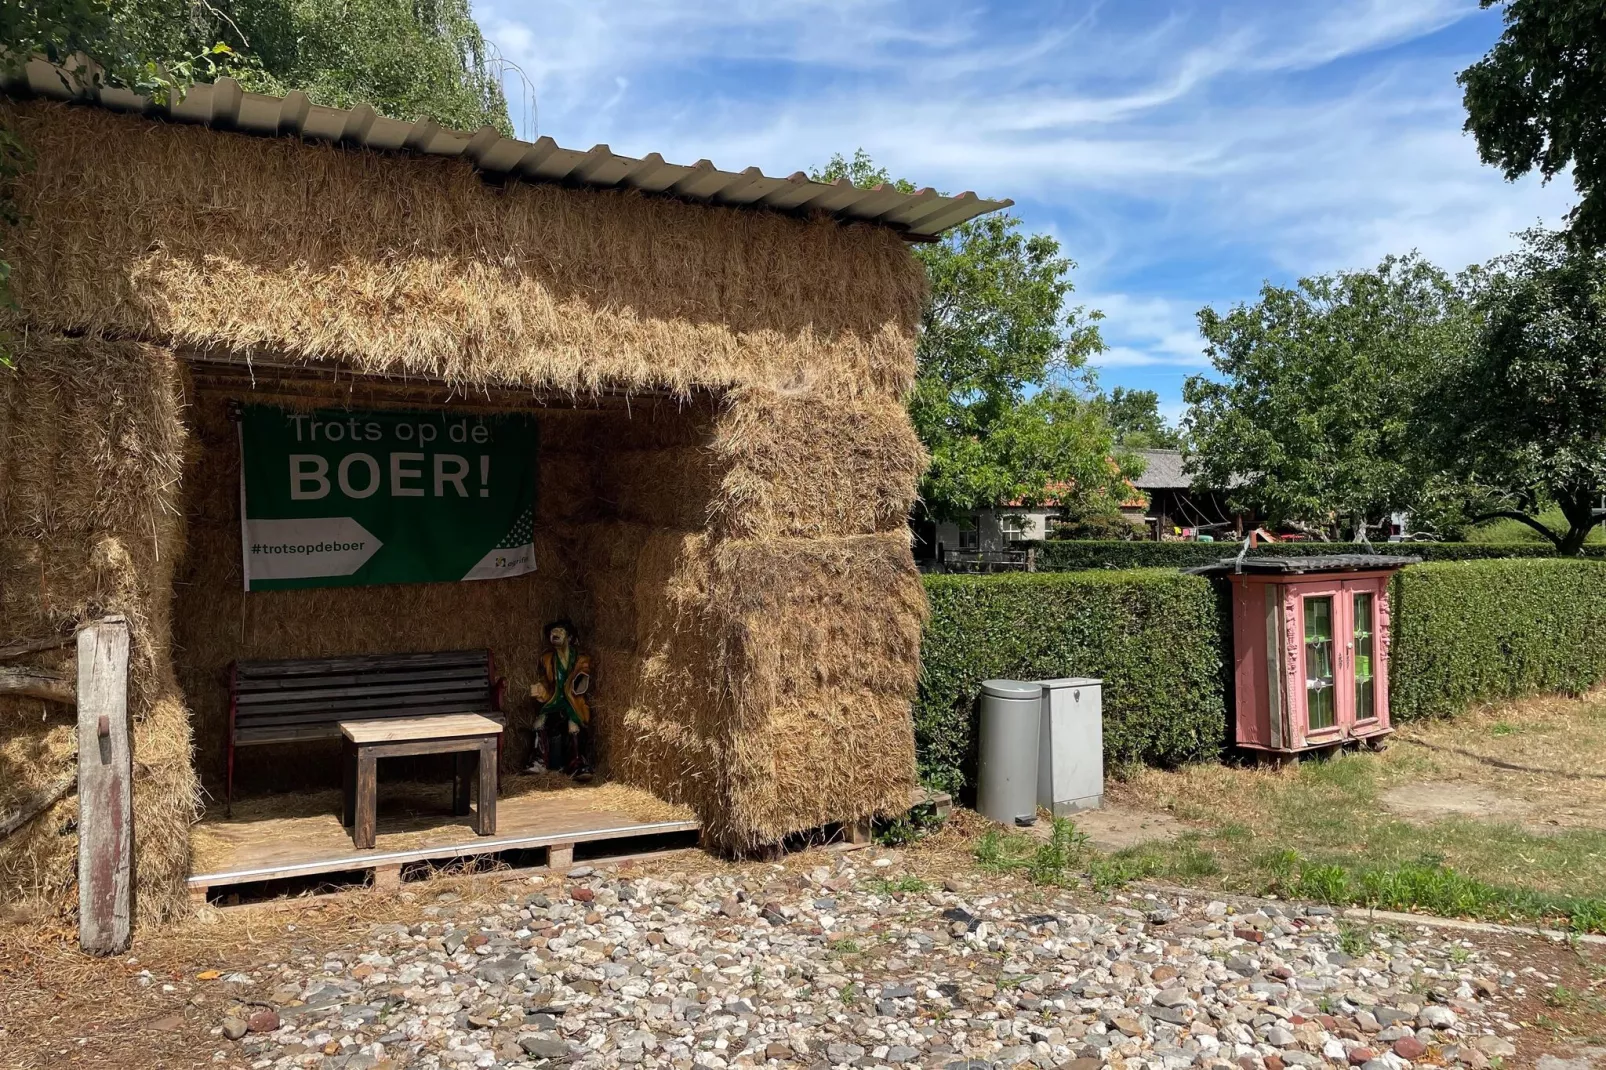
1011	716
1070	754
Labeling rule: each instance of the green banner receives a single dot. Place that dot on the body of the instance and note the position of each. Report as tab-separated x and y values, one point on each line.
338	498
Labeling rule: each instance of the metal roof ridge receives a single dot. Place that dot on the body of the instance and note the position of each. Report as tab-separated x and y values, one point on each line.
224	105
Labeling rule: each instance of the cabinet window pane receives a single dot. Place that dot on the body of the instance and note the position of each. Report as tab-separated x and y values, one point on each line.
1320	692
1365	673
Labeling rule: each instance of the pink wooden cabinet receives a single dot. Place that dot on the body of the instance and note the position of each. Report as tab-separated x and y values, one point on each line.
1311	649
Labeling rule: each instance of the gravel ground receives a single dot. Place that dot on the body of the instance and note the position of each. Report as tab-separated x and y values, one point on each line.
849	964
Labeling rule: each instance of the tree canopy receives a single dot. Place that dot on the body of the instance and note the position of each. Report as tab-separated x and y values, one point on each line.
1134	417
406	58
1521	413
1314	411
1001	392
1537	100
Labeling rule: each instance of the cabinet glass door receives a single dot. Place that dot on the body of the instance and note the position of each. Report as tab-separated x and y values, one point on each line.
1321	677
1364	628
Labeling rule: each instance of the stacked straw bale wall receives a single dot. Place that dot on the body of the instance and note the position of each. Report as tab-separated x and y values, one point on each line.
734	546
92	442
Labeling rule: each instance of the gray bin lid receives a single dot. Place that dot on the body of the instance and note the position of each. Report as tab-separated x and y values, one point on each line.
1015	689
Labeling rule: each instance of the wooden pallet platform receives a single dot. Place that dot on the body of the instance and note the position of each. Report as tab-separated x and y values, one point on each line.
285	841
247	849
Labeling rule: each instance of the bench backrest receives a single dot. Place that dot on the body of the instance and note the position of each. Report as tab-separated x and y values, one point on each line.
281	701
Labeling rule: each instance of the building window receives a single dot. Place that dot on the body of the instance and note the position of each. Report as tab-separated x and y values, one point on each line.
969	539
1014	528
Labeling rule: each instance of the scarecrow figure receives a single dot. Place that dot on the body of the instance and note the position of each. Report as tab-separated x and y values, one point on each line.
563	733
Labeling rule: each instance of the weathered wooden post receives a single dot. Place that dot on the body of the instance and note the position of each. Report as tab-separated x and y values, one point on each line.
105	790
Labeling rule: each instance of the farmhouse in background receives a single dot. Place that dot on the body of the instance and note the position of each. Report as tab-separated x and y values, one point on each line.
1164	505
1175	507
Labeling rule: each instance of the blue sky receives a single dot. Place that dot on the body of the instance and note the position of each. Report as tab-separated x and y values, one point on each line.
1182	152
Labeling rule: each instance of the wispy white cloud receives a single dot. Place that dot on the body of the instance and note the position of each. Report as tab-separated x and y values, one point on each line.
1181	151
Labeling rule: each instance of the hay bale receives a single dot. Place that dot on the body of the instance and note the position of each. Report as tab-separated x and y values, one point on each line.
834	757
414	266
798	618
91	445
806	466
671	487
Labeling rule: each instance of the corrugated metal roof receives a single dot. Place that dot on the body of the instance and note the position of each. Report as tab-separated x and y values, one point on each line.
920	216
1312	563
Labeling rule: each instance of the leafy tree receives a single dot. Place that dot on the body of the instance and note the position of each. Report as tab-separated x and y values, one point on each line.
999	395
1521	413
1537	100
406	58
1134	415
1314	410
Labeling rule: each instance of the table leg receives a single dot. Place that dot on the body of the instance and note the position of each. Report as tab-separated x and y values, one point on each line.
462	778
487	803
348	783
367	800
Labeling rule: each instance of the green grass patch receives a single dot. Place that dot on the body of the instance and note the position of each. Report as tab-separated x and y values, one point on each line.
1053	862
1325	833
889	885
1427	887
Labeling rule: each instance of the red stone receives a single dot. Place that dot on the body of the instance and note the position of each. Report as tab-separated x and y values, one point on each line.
265	1020
1410	1048
1273	1062
1328	1022
1359	1055
477	940
1254	936
585	895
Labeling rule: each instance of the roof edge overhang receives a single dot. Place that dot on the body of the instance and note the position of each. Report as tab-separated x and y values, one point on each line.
921	216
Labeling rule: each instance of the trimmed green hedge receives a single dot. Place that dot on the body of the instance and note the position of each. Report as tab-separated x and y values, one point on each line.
1156	637
1072	555
1464	632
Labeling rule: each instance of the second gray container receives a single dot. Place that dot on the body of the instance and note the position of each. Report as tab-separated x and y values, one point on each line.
1071	749
1011	725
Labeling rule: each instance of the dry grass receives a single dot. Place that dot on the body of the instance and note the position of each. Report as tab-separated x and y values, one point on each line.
416	266
1549	752
1539	827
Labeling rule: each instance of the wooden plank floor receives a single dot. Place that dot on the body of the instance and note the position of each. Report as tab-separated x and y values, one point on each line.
309	840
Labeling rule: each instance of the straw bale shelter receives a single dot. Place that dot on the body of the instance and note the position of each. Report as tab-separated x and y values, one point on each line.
716	363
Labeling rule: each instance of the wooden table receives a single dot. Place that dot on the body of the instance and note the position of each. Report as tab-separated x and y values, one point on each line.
463	734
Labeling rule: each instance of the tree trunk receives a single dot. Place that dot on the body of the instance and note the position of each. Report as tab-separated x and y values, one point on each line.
1511	514
1580	513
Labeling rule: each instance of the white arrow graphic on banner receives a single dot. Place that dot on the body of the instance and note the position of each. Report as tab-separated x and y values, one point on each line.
306	548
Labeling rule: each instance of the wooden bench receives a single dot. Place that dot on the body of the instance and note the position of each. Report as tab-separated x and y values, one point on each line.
467	735
294	700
